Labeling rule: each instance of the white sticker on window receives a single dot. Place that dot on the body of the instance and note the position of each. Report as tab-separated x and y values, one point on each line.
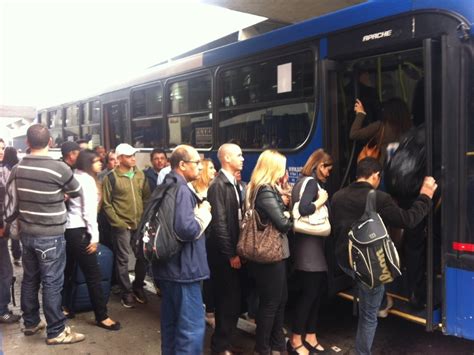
284	78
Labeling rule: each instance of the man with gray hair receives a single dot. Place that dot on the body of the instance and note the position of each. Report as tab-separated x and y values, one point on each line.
226	201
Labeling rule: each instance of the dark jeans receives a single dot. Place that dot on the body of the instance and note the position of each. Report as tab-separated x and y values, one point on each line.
122	249
6	276
208	296
44	259
16	249
182	318
307	305
227	299
369	304
76	244
272	292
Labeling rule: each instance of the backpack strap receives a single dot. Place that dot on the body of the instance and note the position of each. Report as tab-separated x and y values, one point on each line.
370	202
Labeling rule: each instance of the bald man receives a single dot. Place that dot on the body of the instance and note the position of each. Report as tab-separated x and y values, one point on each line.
226	201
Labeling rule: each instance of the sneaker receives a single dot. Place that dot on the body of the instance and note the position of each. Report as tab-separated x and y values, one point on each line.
9	318
66	337
383	313
140	296
33	330
128	301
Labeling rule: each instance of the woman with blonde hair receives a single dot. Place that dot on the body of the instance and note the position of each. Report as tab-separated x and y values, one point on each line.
270	278
309	259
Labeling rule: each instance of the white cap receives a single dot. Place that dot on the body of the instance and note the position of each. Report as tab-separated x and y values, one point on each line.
124	149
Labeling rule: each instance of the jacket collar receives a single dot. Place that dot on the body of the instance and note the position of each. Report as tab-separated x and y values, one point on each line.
361	185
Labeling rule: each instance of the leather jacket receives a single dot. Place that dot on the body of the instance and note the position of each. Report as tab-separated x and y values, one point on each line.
270	206
225	226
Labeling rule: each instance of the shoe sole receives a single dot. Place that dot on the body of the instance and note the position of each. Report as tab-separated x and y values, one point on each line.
65	342
127	305
139	300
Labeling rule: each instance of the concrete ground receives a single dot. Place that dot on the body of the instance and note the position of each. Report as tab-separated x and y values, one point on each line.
140	333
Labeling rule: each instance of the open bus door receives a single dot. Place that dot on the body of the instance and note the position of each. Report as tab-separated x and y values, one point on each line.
375	78
115	123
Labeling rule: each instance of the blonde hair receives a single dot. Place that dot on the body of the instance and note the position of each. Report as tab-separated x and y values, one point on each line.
270	167
203	181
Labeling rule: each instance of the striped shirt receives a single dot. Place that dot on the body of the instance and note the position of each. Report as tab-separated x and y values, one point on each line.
41	183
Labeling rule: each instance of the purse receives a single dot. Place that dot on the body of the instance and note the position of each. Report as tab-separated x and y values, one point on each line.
259	242
371	150
316	224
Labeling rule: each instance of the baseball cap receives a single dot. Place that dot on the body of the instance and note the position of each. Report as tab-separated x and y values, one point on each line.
124	149
68	147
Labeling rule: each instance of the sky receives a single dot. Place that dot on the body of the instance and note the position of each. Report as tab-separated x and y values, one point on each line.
57	51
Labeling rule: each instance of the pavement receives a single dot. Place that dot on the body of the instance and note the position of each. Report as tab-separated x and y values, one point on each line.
140	333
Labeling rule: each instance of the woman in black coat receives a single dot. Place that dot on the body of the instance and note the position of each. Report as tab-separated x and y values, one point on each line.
310	262
270	278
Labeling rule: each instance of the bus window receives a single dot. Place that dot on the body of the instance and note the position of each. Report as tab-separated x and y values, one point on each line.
91	122
190	117
55	127
147	122
263	106
115	115
71	123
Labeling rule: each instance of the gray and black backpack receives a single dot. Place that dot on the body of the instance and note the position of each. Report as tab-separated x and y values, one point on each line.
372	254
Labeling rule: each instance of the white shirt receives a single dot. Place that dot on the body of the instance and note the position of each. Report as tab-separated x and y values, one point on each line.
161	175
83	209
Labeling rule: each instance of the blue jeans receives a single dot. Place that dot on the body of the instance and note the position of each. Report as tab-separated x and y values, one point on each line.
182	318
44	259
369	304
6	276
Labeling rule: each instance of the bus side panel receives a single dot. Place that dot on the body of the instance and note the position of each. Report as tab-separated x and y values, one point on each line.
459	304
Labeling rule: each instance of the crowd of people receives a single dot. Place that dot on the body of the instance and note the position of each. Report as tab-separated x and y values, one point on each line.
65	208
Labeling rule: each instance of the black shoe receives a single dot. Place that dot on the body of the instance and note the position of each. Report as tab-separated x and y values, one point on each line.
128	301
115	326
312	349
140	296
9	318
291	350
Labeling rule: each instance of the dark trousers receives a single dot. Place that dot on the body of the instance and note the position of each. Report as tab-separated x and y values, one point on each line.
122	249
227	298
415	260
307	305
272	292
208	296
6	276
76	244
16	249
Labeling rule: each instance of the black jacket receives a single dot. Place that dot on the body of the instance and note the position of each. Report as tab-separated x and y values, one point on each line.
348	205
270	206
224	227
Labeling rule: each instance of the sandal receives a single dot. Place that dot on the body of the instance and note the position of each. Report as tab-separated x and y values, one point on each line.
114	326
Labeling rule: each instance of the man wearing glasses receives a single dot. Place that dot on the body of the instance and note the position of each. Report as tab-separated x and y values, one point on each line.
182	311
124	195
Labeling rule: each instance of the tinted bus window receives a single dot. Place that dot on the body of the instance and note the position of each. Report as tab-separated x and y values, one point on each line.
55	127
269	104
147	123
190	118
91	122
71	123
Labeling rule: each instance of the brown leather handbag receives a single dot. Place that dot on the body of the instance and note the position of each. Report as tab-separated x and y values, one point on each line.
372	148
259	242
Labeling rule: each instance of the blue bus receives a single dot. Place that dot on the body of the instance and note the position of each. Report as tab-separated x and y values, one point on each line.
293	89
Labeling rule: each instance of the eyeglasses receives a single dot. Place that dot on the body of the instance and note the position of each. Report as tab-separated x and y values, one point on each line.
197	162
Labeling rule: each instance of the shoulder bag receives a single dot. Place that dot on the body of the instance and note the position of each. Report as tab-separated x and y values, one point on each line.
259	242
316	224
372	149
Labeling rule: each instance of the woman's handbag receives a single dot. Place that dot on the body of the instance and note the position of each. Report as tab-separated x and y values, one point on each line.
315	224
372	149
258	242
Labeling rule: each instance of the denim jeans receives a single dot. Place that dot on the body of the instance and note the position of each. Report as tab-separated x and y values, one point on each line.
16	249
369	304
6	275
182	318
44	259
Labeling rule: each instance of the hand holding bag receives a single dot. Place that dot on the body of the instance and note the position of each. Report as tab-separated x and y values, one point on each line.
259	242
371	150
316	224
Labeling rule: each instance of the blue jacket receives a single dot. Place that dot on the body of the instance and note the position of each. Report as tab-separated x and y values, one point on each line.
152	177
189	265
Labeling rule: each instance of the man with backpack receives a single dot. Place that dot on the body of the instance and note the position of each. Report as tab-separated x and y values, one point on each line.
180	274
347	206
125	190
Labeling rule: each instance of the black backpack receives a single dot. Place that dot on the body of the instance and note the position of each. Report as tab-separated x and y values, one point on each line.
372	254
155	235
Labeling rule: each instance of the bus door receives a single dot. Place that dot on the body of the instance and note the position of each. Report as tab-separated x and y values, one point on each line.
115	127
411	78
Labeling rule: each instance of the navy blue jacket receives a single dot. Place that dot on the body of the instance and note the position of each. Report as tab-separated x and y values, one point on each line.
189	265
152	177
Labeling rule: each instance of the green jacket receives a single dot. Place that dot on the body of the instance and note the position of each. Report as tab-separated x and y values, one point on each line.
123	203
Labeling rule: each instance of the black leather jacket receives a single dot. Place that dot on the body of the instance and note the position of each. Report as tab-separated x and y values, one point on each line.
270	206
224	227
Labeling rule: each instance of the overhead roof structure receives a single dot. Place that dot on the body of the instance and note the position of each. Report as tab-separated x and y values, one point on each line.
292	11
